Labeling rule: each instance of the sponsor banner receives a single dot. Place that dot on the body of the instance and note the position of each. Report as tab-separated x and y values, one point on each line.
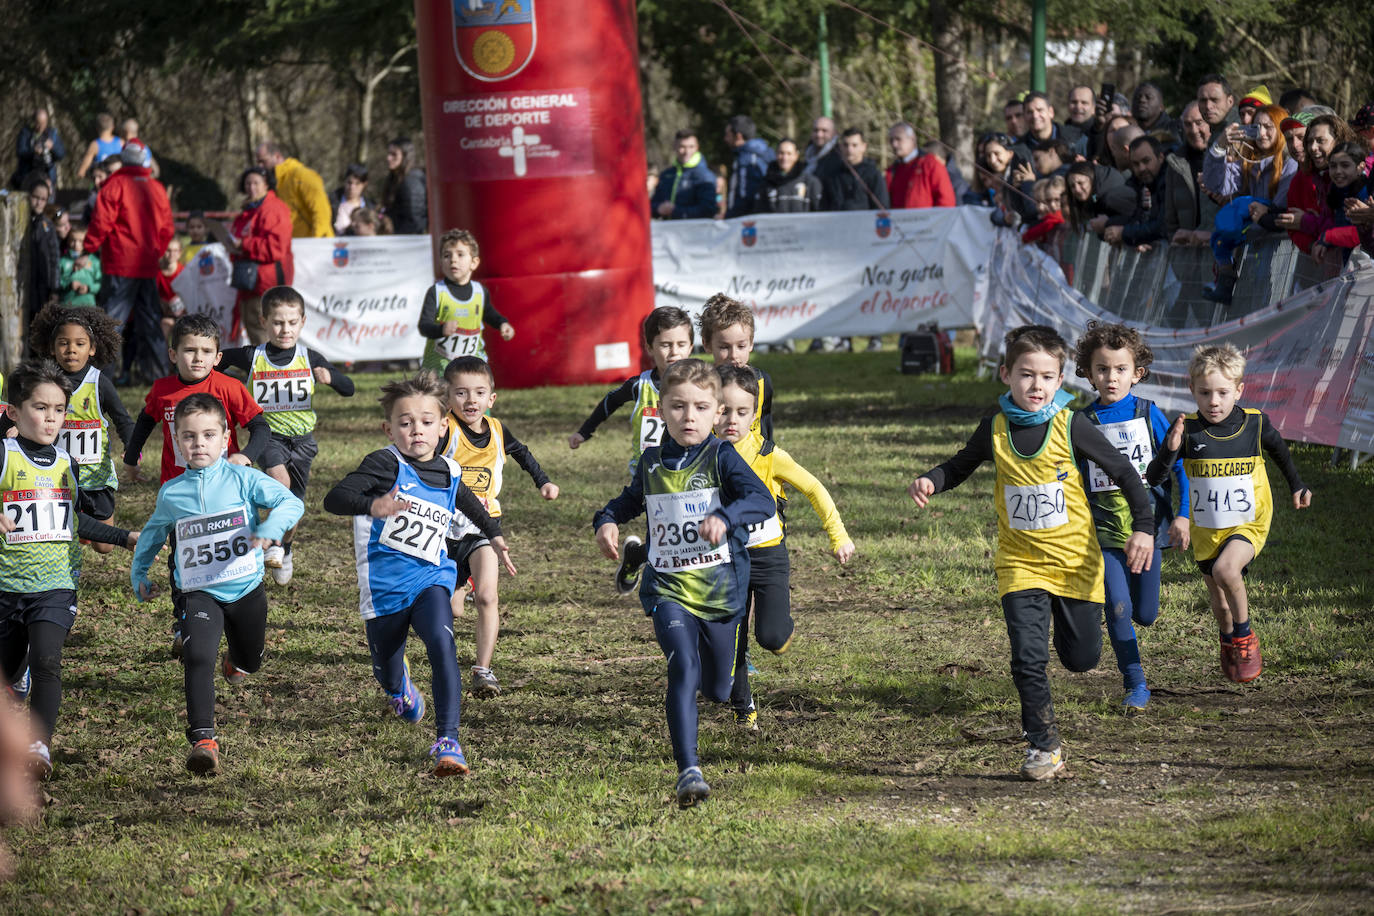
1309	358
203	286
813	274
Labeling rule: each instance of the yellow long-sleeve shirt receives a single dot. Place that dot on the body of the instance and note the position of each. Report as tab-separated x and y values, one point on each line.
776	467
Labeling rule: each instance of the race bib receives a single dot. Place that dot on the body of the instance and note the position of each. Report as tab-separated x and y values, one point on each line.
82	439
1223	502
763	532
39	515
1132	439
419	531
1036	507
651	428
215	547
282	389
674	542
456	345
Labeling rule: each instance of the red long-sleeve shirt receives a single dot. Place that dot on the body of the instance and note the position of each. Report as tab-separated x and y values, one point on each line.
131	224
921	182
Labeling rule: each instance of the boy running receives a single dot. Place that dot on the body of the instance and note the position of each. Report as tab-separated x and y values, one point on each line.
1223	447
479	444
281	376
217	554
727	331
456	307
403	500
699	497
1049	567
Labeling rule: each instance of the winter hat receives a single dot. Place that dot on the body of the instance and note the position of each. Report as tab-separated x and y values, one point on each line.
133	152
1258	97
1305	117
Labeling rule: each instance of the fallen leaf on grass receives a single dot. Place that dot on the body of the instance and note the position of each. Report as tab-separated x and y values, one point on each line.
954	670
1363	817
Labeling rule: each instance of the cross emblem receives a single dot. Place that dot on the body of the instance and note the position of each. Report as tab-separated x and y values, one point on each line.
519	140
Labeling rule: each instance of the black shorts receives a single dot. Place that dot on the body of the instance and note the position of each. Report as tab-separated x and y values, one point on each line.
21	609
98	504
1206	565
461	551
296	453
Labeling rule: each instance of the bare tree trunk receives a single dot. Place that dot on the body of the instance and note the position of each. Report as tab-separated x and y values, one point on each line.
949	31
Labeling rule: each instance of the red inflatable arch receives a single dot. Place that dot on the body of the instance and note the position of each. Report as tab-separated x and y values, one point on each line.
534	141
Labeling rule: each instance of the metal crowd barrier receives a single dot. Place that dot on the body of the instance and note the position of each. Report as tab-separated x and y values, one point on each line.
1163	286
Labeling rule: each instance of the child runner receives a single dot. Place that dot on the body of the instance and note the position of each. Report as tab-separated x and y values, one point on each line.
699	497
1049	567
282	374
80	339
769	566
403	499
1231	505
727	331
194	352
213	508
39	554
1114	358
668	335
456	307
479	445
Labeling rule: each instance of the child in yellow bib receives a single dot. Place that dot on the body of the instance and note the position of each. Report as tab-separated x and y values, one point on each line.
1049	566
769	565
457	307
480	444
1222	446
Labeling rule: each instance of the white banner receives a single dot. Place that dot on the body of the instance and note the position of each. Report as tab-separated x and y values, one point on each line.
203	286
813	274
363	294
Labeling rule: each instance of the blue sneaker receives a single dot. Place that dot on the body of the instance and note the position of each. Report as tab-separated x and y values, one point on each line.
410	703
1136	699
20	688
691	787
448	758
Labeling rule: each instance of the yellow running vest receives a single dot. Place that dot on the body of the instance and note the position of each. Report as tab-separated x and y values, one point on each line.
42	552
85	435
481	466
1045	533
284	392
468	314
1229	482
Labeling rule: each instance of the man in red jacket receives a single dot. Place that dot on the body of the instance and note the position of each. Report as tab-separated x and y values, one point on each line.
914	180
130	228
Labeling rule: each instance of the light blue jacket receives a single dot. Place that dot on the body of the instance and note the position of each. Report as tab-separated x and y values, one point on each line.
222	487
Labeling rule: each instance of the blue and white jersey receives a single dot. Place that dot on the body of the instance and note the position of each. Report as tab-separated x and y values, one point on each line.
401	556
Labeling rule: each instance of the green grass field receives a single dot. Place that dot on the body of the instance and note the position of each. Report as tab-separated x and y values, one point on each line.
883	779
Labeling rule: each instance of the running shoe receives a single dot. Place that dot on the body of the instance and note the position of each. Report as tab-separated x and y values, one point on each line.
204	757
40	761
410	703
633	556
448	758
1246	661
1041	765
272	557
20	688
748	719
1136	699
691	787
1228	659
484	683
233	674
281	573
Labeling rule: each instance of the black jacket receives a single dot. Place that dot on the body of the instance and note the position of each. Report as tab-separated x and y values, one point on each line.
788	192
853	187
1146	222
406	204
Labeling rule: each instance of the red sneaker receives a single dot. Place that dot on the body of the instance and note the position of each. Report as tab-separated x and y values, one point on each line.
1228	660
1246	661
204	757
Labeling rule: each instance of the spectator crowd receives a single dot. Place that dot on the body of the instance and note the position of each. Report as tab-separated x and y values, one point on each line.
117	247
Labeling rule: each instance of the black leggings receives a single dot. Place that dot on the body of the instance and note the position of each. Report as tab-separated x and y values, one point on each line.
1077	636
243	623
44	651
771	604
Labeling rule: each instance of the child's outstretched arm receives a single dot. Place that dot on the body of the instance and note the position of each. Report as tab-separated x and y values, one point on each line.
1277	449
1181	528
520	453
786	469
326	374
956	470
285	508
628	505
612	402
133	446
150	540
